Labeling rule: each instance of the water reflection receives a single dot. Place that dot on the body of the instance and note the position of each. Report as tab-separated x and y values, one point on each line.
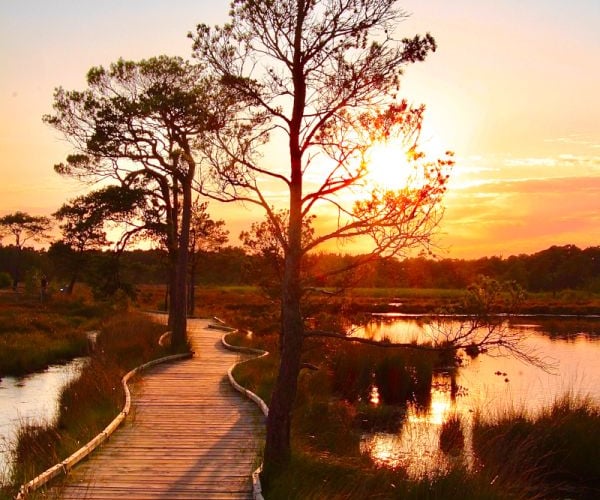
415	447
31	399
374	398
486	384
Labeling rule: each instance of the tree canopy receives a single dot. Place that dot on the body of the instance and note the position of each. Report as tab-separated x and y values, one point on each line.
137	123
24	227
320	79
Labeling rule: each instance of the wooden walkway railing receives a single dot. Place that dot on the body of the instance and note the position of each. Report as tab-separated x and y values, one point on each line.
189	434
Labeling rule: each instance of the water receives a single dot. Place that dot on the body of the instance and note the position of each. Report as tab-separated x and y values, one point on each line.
486	384
31	399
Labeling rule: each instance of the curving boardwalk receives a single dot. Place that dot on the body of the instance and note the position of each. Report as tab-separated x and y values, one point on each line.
190	435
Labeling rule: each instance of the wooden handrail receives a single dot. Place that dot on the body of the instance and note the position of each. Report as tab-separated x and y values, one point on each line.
256	486
67	464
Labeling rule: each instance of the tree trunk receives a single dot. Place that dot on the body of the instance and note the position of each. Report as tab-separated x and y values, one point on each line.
173	256
71	284
78	264
179	293
277	446
16	268
192	288
168	298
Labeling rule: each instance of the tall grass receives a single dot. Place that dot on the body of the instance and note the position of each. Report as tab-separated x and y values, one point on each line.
316	477
555	454
90	402
452	436
34	335
556	450
399	375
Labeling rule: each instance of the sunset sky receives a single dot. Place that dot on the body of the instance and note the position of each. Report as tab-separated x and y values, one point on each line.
513	90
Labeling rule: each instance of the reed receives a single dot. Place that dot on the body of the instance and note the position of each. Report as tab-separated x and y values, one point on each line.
452	436
91	401
312	477
556	450
399	375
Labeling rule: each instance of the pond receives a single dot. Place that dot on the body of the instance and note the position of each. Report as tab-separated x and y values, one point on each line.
31	399
485	384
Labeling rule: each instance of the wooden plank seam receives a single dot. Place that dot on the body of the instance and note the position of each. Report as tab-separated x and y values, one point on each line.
67	464
256	485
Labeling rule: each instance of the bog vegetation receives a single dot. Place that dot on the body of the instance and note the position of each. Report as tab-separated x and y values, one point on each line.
519	455
90	402
34	335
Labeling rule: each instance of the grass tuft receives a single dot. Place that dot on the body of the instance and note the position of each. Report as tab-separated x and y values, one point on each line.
557	450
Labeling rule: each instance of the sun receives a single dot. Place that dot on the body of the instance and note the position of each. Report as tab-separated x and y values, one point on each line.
390	167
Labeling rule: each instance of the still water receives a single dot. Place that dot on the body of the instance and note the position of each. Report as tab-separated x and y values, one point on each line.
31	399
486	384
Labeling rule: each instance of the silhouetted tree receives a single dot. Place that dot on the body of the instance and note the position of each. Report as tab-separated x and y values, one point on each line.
137	123
24	228
263	241
83	223
321	77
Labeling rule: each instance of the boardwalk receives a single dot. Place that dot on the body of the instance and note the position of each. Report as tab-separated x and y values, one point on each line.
190	435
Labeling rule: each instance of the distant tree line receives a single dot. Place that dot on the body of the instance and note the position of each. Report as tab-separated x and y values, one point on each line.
554	269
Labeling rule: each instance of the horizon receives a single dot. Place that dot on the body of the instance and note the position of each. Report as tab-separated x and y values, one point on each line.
513	95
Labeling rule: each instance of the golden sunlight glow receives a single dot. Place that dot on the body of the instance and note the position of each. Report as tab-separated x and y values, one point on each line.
416	445
440	406
388	166
374	396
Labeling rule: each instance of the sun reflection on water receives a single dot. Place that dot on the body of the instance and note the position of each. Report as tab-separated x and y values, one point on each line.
374	398
416	446
486	384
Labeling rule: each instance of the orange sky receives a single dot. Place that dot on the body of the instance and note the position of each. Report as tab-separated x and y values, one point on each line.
513	90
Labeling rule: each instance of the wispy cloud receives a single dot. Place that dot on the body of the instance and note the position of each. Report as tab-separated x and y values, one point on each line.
575	140
504	217
531	162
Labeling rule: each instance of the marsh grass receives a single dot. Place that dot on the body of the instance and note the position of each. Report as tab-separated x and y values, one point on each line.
554	454
399	375
34	335
315	477
258	375
452	436
557	449
90	402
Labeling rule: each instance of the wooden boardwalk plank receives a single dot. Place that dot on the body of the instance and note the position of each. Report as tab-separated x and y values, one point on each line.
189	435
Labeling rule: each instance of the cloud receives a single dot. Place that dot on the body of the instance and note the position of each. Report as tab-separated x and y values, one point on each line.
556	185
504	217
531	162
576	140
